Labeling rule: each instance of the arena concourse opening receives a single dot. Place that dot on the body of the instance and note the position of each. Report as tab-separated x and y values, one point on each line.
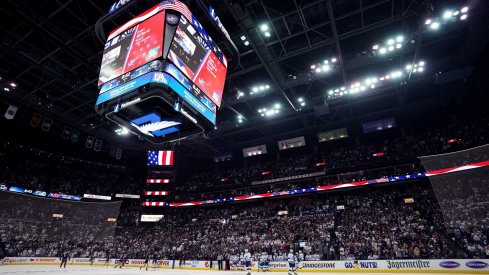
246	136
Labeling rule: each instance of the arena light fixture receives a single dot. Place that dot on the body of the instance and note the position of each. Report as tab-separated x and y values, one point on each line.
270	111
373	82
264	27
448	16
121	131
245	41
259	89
390	45
240	118
13	85
435	25
325	66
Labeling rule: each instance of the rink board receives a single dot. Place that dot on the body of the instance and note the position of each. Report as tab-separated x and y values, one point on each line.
452	266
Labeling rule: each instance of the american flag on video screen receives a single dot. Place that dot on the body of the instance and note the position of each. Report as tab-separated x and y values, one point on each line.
160	157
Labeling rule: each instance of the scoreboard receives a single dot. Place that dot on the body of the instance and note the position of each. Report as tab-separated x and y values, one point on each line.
162	77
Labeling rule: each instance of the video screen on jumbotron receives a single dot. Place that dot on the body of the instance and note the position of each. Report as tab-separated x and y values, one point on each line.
132	48
191	54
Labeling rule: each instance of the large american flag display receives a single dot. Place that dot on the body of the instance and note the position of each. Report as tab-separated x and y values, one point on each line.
161	158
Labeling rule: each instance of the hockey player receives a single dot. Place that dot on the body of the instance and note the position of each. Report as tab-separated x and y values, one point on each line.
64	259
235	262
247	259
92	258
154	263
146	263
293	262
107	259
121	262
264	261
241	261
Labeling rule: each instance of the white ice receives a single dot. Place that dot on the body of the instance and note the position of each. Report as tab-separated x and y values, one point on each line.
85	270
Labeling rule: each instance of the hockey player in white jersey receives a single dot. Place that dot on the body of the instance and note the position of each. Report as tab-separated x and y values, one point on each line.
293	262
247	258
264	261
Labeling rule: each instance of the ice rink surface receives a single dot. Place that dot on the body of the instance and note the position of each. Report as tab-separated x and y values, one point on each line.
84	270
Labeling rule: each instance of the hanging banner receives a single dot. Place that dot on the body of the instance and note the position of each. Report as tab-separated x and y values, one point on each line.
11	111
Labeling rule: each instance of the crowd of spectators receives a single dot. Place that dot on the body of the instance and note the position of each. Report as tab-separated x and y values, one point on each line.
376	223
39	170
352	155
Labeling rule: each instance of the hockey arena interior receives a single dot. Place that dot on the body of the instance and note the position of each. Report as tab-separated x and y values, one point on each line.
244	136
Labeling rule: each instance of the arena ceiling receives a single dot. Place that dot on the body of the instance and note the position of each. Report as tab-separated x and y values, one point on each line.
50	51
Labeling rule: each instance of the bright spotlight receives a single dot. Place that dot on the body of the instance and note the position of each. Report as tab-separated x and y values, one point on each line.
267	87
400	38
447	14
398	46
420	69
303	104
13	85
7	89
428	22
333	60
464	9
391	48
262	88
326	61
435	25
382	50
326	68
267	34
318	70
463	17
254	89
313	67
243	37
277	106
300	99
375	47
409	67
246	43
421	63
264	27
390	42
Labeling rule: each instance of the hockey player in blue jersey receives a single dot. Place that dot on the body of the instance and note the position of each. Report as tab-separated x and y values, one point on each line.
236	262
247	260
264	261
293	262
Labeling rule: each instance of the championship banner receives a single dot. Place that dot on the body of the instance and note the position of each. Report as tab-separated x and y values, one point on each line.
35	120
66	133
74	135
89	143
46	124
98	145
11	111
